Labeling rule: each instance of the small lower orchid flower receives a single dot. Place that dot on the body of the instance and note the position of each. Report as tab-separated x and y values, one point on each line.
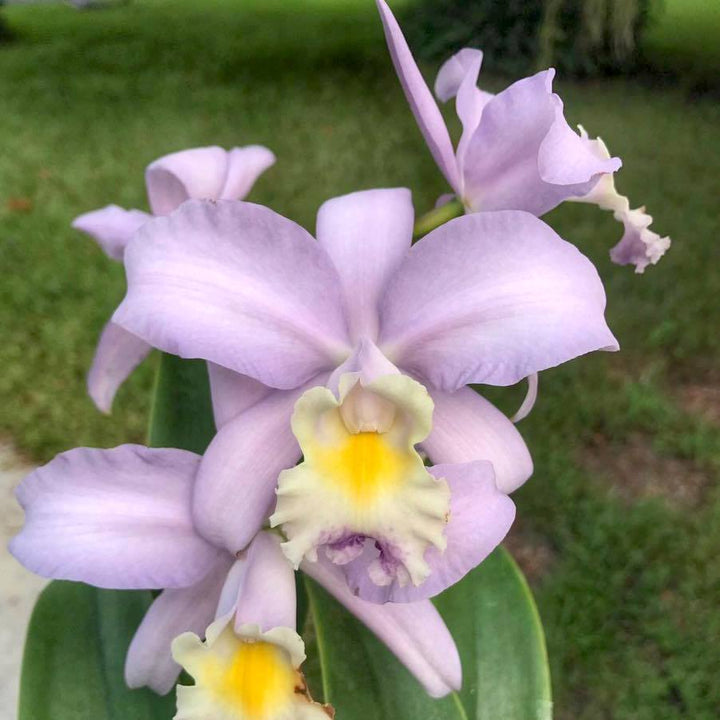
486	298
208	172
121	518
243	673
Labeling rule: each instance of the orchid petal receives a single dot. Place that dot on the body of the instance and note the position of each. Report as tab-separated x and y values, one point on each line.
453	71
195	173
366	234
466	427
115	518
149	661
232	393
524	156
235	487
245	165
529	400
639	245
239	285
118	353
266	595
111	227
419	97
480	517
414	632
458	77
491	298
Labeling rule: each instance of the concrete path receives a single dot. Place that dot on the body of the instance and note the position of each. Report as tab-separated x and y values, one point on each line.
18	587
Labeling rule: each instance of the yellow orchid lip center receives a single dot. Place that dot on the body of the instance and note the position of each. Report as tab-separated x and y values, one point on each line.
258	680
364	467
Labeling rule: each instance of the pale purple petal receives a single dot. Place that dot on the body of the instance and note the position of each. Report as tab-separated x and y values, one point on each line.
466	427
419	97
196	173
235	487
239	285
245	165
207	173
149	661
366	234
480	517
492	298
118	353
414	632
458	77
111	227
639	245
266	596
232	393
524	156
529	400
453	72
115	518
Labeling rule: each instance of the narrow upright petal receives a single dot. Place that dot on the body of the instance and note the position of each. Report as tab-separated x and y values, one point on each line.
414	632
453	71
266	592
420	98
115	518
207	173
524	156
239	285
480	517
232	393
235	487
112	227
149	660
367	235
467	427
491	298
117	354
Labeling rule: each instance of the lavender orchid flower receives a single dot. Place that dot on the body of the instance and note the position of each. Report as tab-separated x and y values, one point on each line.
516	151
486	298
210	173
133	504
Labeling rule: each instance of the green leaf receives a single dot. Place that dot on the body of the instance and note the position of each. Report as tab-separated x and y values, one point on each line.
494	620
495	624
182	410
73	662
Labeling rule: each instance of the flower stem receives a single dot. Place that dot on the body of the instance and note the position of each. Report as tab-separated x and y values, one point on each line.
437	217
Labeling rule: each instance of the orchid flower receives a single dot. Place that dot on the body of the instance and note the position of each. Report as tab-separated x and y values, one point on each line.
486	298
210	173
121	518
516	151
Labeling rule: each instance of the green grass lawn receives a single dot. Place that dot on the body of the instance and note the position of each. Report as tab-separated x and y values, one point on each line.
619	527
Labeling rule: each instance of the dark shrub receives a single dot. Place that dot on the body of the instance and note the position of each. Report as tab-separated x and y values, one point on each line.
579	37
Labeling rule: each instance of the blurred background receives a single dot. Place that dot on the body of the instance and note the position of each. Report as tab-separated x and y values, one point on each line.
619	529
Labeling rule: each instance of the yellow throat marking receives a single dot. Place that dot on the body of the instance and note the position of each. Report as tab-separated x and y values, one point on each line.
257	679
364	466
